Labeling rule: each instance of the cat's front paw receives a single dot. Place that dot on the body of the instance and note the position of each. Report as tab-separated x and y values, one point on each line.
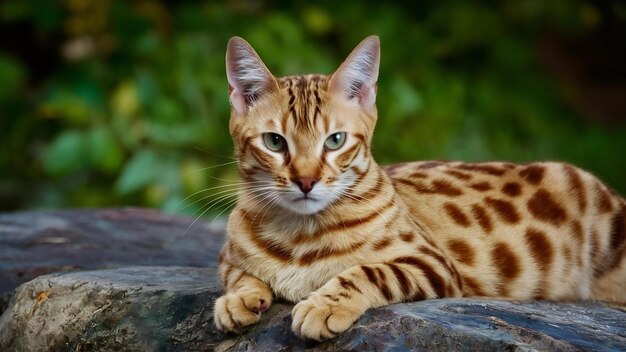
320	317
235	311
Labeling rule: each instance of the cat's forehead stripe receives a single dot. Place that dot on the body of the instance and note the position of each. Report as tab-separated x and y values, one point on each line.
304	100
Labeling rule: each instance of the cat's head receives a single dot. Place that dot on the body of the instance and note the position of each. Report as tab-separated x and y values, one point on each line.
302	141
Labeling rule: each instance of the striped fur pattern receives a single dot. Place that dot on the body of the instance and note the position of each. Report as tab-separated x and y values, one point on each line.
362	236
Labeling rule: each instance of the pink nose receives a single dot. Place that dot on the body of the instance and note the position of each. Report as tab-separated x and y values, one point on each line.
306	184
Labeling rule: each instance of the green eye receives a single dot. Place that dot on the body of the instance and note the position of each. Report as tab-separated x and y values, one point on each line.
335	141
274	142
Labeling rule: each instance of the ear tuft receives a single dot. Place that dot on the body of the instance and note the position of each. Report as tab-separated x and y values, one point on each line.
248	77
355	79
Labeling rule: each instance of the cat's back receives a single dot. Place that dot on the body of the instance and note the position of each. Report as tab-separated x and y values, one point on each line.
490	195
506	222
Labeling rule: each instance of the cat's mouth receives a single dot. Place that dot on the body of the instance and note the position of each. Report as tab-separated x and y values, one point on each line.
304	204
305	198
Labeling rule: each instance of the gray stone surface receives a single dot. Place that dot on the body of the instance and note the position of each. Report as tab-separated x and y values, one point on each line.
42	242
169	309
153	306
135	308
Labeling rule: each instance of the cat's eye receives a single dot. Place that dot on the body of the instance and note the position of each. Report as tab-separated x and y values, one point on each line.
274	142
335	141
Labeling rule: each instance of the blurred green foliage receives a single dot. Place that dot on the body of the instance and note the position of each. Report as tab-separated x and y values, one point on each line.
125	103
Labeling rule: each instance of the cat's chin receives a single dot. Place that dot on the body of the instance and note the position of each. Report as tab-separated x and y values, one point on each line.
304	206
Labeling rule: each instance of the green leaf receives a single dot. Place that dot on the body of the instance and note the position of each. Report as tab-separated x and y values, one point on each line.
68	107
139	171
67	153
408	99
105	153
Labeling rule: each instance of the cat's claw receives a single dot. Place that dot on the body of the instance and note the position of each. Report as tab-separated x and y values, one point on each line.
318	318
234	311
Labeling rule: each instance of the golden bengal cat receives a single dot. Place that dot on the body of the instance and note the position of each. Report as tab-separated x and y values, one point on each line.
320	223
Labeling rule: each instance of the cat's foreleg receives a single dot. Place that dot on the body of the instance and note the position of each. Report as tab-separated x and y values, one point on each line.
245	299
334	307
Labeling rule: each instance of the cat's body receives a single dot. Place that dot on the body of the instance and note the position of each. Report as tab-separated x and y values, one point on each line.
320	223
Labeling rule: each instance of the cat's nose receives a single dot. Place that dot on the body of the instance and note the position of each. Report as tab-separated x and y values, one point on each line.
306	184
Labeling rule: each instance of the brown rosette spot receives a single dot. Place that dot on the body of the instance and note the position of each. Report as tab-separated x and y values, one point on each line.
481	186
540	248
418	174
512	189
456	214
382	244
443	187
533	173
543	207
507	265
446	188
506	210
618	238
483	168
462	251
463	176
603	200
482	218
407	236
576	186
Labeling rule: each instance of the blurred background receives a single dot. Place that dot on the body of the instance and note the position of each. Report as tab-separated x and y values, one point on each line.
111	103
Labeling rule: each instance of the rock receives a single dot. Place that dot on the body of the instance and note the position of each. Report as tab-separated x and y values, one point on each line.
135	308
42	242
158	307
169	309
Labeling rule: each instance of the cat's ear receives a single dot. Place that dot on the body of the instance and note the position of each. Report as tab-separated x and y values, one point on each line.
355	80
248	77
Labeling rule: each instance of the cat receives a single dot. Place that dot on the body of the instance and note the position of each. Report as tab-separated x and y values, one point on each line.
320	224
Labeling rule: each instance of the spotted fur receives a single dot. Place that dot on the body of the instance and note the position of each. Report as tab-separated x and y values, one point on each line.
360	236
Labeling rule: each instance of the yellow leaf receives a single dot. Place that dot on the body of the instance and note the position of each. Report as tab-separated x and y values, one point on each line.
125	100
